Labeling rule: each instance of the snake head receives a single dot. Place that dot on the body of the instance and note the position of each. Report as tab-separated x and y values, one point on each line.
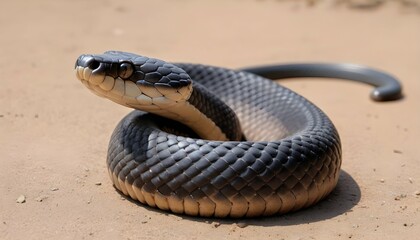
134	81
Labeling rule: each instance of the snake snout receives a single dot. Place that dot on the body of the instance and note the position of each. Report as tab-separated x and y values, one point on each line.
90	69
87	61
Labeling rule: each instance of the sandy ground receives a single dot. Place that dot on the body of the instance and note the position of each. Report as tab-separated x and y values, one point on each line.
54	133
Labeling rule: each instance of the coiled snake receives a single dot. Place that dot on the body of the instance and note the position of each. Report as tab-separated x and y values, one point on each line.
227	144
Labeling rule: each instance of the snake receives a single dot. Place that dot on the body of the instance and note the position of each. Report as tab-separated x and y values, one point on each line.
215	142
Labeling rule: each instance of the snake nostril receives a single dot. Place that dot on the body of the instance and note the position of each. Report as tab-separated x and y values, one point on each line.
94	65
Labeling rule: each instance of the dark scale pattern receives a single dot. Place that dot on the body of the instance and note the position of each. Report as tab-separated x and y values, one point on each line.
156	71
146	70
217	111
291	160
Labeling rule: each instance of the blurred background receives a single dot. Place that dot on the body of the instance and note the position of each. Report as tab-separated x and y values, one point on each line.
54	133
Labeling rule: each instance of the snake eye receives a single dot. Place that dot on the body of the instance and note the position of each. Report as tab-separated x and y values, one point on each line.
125	70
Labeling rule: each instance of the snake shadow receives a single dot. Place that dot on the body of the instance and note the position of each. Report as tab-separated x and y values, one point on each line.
342	199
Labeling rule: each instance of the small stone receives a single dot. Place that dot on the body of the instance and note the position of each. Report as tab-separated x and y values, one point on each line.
98	183
242	224
382	180
41	198
397	151
53	189
216	224
143	222
399	197
410	180
36	116
417	193
21	199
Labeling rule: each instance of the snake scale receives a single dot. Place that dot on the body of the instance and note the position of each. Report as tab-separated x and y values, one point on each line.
214	142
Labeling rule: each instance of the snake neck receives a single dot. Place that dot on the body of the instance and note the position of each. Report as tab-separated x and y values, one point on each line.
217	114
206	115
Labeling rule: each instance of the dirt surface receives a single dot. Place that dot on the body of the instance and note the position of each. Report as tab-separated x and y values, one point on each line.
54	132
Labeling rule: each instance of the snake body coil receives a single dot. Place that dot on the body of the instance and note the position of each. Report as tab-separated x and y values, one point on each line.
286	157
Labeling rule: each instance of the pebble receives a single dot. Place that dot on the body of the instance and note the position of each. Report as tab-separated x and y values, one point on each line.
98	183
397	151
216	224
54	189
417	193
410	180
21	199
41	198
382	180
242	224
399	197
